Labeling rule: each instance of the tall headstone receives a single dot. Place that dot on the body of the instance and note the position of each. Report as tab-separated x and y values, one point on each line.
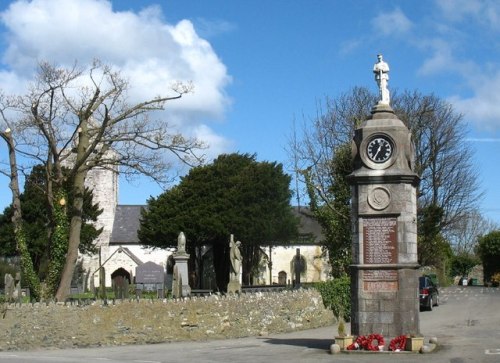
384	279
181	267
297	267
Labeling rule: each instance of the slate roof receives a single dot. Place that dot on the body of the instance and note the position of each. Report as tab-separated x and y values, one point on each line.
126	225
127	217
310	231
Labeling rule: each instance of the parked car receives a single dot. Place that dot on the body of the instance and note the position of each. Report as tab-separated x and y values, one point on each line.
429	294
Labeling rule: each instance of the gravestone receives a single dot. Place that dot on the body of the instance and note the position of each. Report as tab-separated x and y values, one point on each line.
170	273
181	268
176	283
120	287
150	276
17	290
384	283
282	278
298	267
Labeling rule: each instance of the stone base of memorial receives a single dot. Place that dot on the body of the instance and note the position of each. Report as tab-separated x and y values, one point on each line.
234	287
414	344
344	342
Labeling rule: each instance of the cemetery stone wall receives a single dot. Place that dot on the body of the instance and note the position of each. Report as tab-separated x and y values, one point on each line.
40	325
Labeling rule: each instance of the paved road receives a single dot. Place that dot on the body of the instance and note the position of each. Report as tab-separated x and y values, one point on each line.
467	325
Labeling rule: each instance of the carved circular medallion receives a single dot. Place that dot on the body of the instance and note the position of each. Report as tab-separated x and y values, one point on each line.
379	198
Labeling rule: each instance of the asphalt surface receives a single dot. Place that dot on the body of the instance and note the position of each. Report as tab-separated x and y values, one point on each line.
466	324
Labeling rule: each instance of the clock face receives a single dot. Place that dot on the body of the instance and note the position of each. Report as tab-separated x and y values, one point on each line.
380	149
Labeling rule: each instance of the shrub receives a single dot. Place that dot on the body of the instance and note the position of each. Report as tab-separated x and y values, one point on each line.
495	279
336	296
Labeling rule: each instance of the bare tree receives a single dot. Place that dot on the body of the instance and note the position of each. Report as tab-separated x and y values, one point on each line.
80	119
322	158
465	233
332	127
17	219
449	179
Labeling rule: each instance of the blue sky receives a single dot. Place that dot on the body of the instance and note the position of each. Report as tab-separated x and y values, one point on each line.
259	65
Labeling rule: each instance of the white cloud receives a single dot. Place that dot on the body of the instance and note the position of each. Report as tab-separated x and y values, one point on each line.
209	28
391	23
483	108
349	46
221	145
482	139
486	12
151	53
440	57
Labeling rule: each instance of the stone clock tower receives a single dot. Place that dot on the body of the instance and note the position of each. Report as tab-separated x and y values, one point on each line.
384	278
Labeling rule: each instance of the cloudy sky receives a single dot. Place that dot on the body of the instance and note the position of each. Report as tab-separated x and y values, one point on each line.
259	65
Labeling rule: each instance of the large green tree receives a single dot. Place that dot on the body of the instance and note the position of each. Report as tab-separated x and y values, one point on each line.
488	250
36	222
234	195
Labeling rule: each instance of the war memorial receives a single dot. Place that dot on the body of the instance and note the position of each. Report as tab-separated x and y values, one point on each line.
384	276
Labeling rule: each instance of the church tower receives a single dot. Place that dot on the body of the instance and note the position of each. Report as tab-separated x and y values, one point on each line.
104	183
384	279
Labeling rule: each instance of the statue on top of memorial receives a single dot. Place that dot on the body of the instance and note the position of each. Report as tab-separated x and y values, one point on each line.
381	71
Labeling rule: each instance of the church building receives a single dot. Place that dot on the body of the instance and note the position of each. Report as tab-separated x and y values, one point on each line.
120	251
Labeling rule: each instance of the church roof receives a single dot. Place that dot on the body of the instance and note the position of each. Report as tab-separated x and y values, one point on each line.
310	231
127	223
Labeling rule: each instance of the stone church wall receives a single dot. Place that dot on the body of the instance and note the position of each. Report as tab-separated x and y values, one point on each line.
316	269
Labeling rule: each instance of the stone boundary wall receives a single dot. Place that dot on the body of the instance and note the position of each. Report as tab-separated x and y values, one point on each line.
57	325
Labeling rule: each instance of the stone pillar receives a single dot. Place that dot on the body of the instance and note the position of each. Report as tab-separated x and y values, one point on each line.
384	278
181	259
181	263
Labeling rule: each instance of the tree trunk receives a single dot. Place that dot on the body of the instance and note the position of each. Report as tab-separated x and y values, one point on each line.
78	175
74	237
59	240
27	268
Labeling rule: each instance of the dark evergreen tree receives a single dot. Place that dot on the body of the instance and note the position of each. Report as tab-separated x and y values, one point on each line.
233	195
37	224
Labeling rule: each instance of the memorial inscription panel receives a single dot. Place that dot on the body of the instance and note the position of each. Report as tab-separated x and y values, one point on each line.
380	245
380	280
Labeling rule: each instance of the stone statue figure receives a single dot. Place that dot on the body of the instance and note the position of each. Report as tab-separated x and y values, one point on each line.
9	287
381	70
181	243
235	256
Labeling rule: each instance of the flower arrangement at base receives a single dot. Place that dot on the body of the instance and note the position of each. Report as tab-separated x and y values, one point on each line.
398	344
366	343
